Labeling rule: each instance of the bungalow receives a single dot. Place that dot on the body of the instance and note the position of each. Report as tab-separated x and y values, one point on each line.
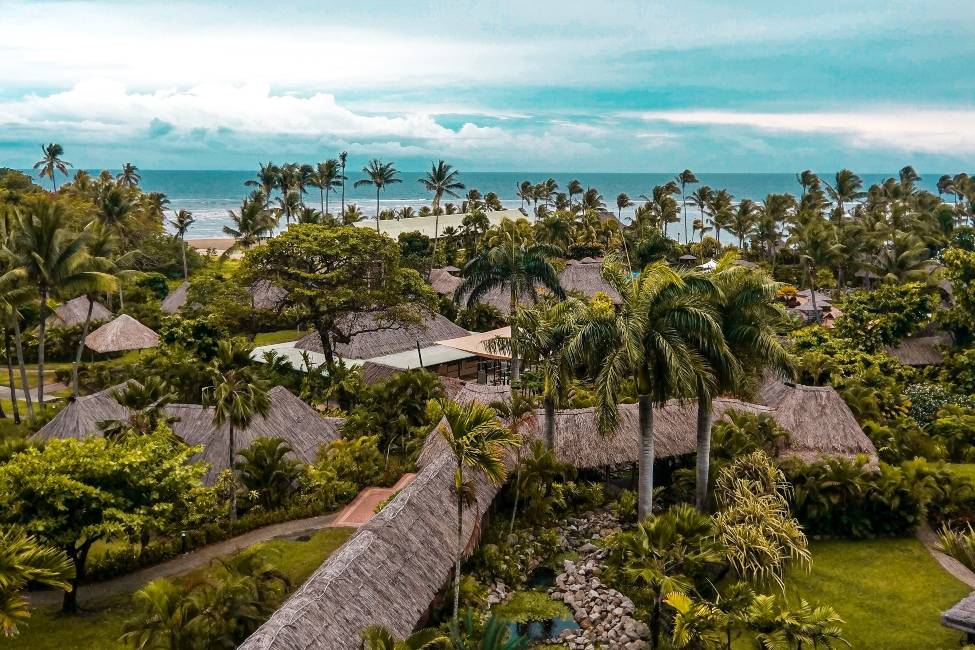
75	311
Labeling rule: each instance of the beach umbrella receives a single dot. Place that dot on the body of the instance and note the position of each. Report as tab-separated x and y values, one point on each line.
122	334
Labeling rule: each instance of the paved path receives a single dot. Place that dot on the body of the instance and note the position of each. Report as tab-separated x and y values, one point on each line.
930	538
49	390
185	563
363	507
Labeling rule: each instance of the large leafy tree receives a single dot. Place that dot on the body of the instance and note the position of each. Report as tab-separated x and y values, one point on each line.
478	441
333	274
379	175
23	559
52	162
72	493
653	339
511	263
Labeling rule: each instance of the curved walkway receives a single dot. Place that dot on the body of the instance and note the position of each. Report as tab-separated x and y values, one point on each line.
184	563
930	539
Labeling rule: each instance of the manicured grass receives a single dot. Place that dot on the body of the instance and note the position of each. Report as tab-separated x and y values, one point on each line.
281	336
890	592
100	626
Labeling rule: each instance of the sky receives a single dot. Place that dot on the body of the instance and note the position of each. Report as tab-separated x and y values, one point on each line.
746	86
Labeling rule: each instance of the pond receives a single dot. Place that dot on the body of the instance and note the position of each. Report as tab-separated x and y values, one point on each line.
542	630
542	577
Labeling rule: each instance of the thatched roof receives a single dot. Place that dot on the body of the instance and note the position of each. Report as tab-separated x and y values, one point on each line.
821	298
267	296
386	574
123	333
80	418
961	616
443	282
176	299
921	350
390	339
75	311
290	419
586	277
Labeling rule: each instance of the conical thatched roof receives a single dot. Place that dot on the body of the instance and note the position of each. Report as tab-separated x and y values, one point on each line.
267	296
75	311
444	282
586	277
386	574
175	300
921	350
123	333
80	418
376	338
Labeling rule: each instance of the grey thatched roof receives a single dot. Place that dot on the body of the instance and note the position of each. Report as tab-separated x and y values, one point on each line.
587	278
961	616
821	298
290	419
123	333
74	312
921	350
176	299
443	282
390	339
386	574
267	296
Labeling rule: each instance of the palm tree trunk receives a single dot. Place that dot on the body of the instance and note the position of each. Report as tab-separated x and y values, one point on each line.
40	351
186	273
460	536
81	349
704	419
321	195
233	479
515	361
645	486
344	180
19	346
10	377
377	209
436	228
549	403
683	202
326	201
812	292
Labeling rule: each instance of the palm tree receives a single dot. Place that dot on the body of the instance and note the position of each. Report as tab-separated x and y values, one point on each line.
815	243
181	222
167	617
326	178
526	192
808	180
518	409
153	205
236	396
51	162
904	259
22	560
266	181
510	264
684	179
592	199
743	221
266	470
376	637
622	201
250	224
701	199
574	187
478	441
343	158
441	179
54	260
846	189
114	206
746	307
662	320
380	175
14	292
129	176
720	207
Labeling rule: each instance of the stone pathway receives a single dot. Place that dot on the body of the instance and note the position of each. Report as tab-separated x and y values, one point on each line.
930	539
363	507
185	563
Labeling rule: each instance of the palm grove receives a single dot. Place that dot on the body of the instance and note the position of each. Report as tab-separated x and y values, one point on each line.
699	575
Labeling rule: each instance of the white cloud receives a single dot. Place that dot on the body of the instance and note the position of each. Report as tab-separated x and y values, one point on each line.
914	130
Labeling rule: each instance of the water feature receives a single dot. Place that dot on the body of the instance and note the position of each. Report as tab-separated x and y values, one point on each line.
541	630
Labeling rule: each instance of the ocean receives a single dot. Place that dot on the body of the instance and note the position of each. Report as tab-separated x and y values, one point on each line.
210	194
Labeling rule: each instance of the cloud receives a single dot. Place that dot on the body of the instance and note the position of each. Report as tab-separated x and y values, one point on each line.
920	130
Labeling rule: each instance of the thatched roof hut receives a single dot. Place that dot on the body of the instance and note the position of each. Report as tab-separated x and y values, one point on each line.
444	282
74	312
267	296
921	350
376	338
79	418
586	277
122	334
961	616
176	299
387	574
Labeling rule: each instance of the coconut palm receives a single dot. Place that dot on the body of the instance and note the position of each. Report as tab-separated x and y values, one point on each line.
52	162
574	187
379	175
808	180
266	181
556	230
517	410
441	179
237	397
477	441
847	188
326	177
746	307
343	159
815	243
510	263
701	199
622	201
525	192
181	222
14	293
114	206
53	260
684	179
22	560
905	259
250	224
743	221
592	199
129	176
663	320
721	209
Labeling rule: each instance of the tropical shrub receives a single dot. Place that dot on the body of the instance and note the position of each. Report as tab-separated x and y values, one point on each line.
959	544
882	317
927	399
267	472
958	370
480	317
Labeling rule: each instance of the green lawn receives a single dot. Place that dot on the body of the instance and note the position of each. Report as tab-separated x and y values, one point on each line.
281	336
99	627
890	592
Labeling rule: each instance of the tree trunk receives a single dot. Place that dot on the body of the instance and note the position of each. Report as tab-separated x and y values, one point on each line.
233	480
344	179
19	345
645	488
10	377
655	624
377	209
812	292
79	557
436	228
40	351
326	201
186	273
515	361
549	403
683	202
321	196
81	349
704	418
460	536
